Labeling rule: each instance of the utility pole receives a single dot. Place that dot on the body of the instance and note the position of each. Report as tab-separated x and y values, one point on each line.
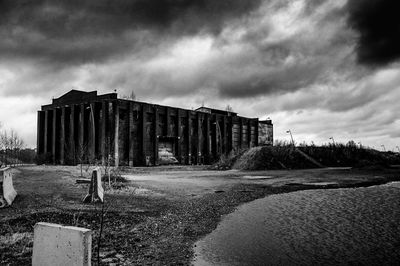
291	136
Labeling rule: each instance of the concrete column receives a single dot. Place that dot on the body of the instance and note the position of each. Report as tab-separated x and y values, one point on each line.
198	127
256	132
39	146
240	132
179	135
46	130
188	139
103	137
130	133
224	137
207	140
72	134
168	121
62	136
81	144
155	140
92	126
248	133
53	138
230	133
215	136
144	134
116	134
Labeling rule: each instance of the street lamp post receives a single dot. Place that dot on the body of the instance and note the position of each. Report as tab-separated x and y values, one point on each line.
333	141
291	136
383	146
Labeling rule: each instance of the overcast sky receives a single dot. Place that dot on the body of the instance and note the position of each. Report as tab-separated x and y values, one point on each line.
322	68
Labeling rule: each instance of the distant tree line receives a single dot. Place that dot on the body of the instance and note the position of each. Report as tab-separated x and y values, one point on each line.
12	149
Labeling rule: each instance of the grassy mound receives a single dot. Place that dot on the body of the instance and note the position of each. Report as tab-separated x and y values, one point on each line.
288	157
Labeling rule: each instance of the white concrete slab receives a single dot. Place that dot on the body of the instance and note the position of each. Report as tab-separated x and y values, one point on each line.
57	245
9	192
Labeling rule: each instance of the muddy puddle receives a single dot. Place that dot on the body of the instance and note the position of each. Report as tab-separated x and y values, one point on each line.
358	226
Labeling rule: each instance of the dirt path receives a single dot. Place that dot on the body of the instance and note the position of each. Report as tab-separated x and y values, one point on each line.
157	216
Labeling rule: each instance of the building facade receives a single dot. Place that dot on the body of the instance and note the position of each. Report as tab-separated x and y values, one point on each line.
81	127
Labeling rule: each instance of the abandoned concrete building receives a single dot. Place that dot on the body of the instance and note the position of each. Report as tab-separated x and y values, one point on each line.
81	127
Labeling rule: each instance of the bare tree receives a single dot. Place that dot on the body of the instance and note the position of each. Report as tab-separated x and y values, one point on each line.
10	147
81	154
131	96
228	108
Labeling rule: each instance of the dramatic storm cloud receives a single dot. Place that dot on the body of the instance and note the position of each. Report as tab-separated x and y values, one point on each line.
378	25
321	68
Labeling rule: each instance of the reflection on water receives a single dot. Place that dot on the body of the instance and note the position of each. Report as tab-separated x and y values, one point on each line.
341	226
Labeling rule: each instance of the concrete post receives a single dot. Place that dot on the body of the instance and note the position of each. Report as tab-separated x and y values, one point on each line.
55	244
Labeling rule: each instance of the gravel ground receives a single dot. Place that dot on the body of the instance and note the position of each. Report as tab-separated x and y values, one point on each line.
150	221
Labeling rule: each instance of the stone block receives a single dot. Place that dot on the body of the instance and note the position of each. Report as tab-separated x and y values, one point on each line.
7	187
57	245
96	191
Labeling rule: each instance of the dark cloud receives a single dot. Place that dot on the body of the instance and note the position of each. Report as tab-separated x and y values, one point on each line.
378	25
93	29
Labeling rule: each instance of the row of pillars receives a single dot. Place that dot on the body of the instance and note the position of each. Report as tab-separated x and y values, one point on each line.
93	128
73	131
